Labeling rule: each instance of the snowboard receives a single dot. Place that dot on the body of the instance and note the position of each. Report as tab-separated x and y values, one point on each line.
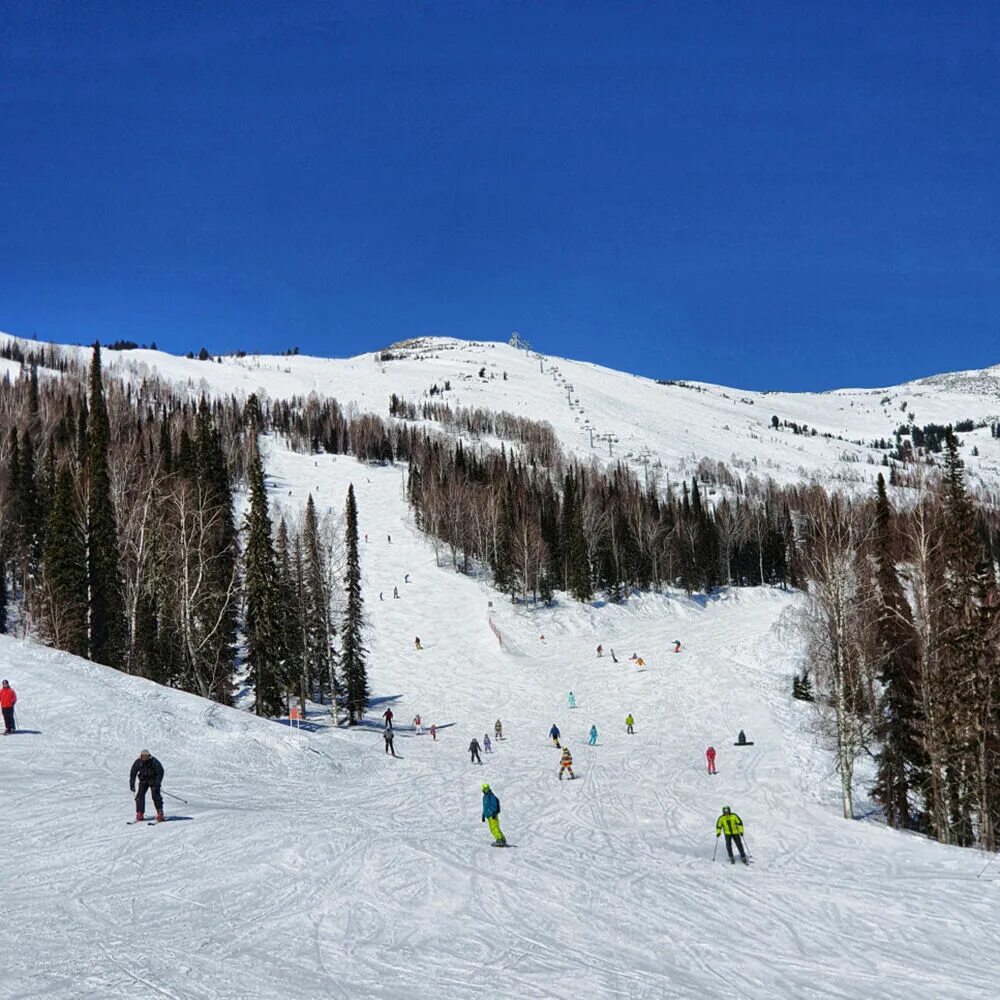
749	743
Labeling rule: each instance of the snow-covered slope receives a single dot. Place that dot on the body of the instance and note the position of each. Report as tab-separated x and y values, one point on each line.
311	865
609	415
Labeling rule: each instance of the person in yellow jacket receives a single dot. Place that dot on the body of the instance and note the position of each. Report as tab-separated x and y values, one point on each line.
566	763
732	826
629	723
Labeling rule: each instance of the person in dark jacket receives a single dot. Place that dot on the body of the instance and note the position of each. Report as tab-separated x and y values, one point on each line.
554	734
149	771
389	742
491	815
474	757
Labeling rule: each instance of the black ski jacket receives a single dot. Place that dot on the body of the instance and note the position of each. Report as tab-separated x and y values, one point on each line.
148	771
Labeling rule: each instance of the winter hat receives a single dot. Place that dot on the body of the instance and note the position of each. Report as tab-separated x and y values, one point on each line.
145	753
725	809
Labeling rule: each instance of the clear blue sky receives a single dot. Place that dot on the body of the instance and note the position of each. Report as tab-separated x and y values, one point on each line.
769	195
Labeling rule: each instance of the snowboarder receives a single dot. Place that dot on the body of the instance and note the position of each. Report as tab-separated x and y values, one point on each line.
389	537
497	730
395	592
572	700
600	650
732	826
416	642
487	745
710	757
640	663
566	763
633	656
416	725
474	757
629	723
614	659
434	732
677	645
554	733
389	741
491	813
380	597
741	740
149	771
387	715
406	578
593	736
8	699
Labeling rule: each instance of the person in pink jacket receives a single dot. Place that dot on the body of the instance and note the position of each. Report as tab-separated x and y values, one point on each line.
710	757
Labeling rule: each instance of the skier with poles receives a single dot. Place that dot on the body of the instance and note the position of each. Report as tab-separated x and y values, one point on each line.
389	742
149	771
732	826
710	757
491	814
474	757
8	699
387	715
554	733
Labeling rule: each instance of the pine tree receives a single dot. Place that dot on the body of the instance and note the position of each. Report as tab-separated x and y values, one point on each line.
3	593
106	601
352	655
291	610
577	563
900	760
65	572
262	626
320	656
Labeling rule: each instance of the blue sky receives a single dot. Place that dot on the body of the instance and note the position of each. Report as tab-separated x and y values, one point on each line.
769	195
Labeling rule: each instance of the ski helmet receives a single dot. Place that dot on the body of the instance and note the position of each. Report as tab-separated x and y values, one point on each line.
145	753
486	787
725	809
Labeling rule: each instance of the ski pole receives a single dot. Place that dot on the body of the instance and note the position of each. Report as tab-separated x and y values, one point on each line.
747	846
179	799
716	848
988	863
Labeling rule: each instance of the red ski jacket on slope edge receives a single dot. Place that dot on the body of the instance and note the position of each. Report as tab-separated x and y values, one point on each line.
7	698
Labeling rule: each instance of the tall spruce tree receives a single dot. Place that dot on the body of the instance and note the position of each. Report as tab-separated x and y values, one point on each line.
263	624
900	761
318	621
352	649
106	605
65	571
576	561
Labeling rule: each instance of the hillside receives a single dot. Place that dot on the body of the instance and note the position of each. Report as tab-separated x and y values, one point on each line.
602	414
310	864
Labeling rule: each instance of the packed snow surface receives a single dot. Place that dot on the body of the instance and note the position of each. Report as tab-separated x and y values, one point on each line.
309	864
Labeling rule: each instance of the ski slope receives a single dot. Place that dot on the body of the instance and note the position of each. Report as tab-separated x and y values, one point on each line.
608	416
308	864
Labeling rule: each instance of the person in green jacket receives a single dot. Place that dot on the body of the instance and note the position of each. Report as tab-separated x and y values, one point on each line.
629	723
732	826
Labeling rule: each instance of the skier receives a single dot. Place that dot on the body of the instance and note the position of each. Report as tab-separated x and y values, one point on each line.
406	578
614	659
8	699
389	738
600	650
387	715
149	771
566	763
416	642
593	736
572	700
491	813
416	725
434	732
389	537
710	757
395	592
640	663
380	597
554	733
498	730
487	746
629	723
732	826
677	645
474	757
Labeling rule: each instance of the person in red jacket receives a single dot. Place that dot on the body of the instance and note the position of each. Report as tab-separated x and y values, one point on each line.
710	757
7	702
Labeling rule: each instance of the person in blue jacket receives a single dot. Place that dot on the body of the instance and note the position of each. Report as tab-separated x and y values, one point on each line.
593	736
554	733
491	813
